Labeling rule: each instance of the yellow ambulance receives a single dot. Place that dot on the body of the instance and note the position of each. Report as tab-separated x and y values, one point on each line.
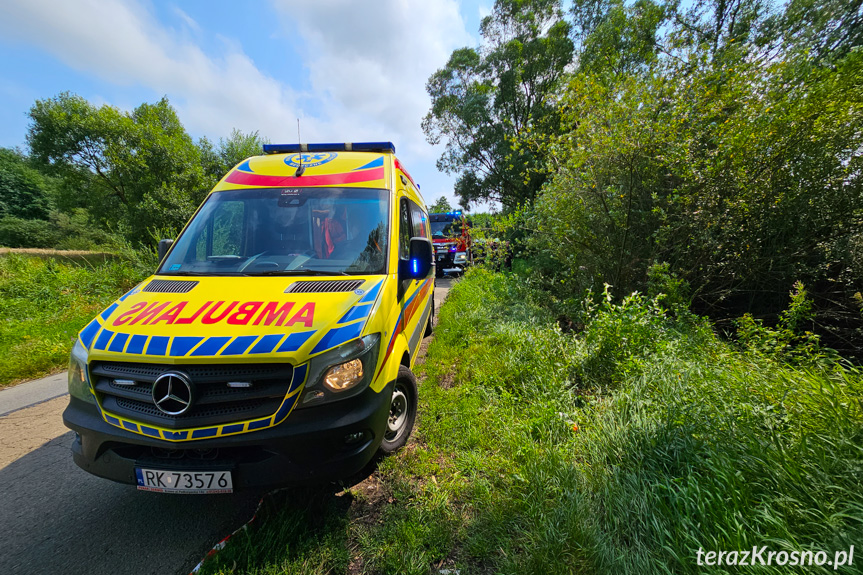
275	342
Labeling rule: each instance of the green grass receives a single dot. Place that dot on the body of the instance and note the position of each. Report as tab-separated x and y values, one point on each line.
622	448
45	302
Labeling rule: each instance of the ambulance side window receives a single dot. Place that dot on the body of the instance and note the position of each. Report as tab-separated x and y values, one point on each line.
405	231
420	221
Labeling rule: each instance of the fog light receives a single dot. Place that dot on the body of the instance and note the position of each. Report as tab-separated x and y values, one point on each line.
313	396
354	437
344	376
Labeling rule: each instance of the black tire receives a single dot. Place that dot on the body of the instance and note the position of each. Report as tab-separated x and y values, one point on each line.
403	412
430	324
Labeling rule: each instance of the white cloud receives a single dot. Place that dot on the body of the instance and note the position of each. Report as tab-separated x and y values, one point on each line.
369	62
122	43
366	62
187	20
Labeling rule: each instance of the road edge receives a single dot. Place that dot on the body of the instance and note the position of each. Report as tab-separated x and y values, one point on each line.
32	393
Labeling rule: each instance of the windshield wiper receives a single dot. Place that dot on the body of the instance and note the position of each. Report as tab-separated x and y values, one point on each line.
187	274
299	272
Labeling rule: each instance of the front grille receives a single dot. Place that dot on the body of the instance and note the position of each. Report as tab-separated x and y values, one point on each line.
324	286
236	409
215	403
170	286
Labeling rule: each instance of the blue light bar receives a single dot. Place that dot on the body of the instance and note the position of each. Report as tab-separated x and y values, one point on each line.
345	147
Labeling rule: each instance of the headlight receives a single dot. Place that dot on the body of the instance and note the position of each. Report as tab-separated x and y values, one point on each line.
78	385
341	372
344	376
460	257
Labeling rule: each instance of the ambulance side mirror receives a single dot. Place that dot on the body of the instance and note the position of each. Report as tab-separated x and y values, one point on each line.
164	246
419	264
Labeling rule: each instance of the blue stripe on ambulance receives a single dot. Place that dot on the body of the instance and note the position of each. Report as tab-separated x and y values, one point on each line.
267	343
103	339
373	164
180	346
239	345
359	311
89	332
158	345
211	346
372	293
295	341
119	343
338	336
137	344
107	313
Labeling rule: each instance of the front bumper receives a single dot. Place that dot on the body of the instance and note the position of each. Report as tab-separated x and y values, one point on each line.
445	262
311	446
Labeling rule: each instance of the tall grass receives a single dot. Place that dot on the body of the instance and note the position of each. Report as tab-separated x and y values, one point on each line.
45	302
630	445
621	446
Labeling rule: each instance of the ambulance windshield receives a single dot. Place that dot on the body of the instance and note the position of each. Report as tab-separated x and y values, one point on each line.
285	231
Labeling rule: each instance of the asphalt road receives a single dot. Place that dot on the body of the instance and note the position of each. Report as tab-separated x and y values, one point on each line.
56	518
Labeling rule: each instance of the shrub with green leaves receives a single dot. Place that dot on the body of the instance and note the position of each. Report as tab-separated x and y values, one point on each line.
21	233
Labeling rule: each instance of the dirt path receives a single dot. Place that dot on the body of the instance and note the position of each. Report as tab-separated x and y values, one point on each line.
25	430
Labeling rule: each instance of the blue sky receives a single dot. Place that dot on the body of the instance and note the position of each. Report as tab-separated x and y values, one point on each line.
351	70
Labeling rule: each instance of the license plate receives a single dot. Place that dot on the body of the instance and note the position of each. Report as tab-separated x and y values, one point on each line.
168	481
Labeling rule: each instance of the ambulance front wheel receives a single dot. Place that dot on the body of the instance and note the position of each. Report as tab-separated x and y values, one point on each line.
403	412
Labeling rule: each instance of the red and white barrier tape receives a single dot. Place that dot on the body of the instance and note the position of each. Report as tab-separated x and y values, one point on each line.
221	544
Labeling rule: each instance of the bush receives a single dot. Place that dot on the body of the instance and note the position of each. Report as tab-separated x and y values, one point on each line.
20	233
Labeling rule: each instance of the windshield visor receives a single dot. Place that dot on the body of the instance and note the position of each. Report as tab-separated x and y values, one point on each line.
303	231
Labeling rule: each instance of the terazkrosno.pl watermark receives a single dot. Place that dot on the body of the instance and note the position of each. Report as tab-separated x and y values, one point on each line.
763	556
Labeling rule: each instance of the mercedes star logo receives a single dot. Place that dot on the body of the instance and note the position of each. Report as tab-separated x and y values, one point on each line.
172	393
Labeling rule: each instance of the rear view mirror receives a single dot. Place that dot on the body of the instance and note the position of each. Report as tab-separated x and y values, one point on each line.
419	265
164	246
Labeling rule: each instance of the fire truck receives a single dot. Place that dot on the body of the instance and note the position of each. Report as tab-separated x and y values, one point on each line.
452	243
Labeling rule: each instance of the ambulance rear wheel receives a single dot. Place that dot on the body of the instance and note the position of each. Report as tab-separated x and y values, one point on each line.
403	412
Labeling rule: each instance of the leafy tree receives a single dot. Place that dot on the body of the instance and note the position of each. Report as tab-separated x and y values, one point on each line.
441	205
485	101
615	37
595	216
138	171
24	192
230	152
726	146
825	31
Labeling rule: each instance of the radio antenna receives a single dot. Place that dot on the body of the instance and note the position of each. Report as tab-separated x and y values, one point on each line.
301	168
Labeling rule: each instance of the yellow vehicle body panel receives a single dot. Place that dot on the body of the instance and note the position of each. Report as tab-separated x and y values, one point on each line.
221	320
